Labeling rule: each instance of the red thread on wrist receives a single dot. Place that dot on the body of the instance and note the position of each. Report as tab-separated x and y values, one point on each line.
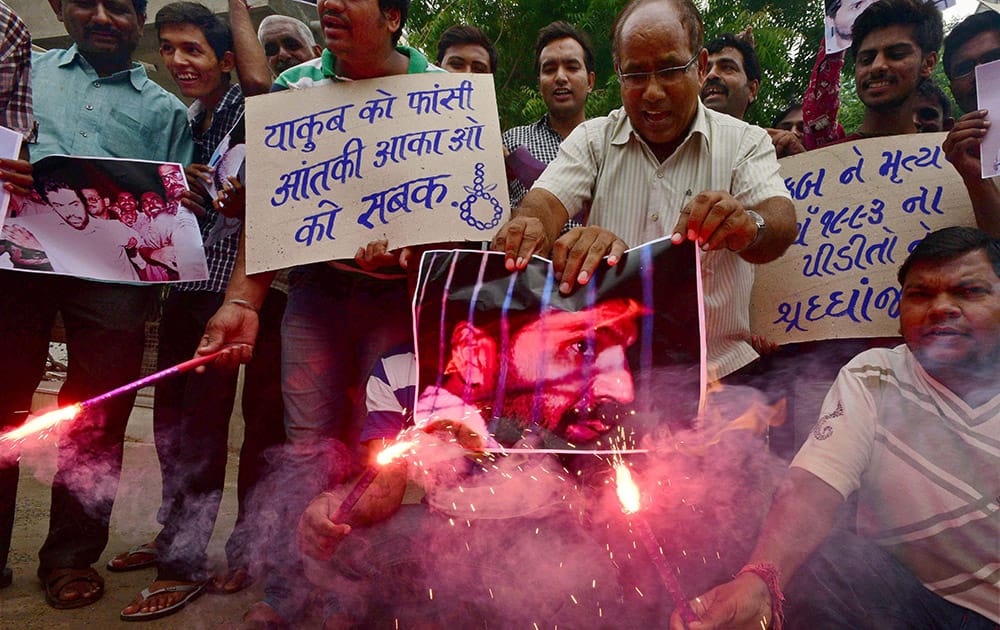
771	576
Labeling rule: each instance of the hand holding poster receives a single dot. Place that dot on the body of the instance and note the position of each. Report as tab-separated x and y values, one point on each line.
861	208
412	159
105	219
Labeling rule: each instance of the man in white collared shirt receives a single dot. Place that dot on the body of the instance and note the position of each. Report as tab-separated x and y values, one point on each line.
663	165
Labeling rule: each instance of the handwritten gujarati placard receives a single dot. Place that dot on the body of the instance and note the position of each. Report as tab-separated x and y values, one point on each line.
861	208
413	159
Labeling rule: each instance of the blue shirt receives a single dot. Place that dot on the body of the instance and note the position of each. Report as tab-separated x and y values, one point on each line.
124	115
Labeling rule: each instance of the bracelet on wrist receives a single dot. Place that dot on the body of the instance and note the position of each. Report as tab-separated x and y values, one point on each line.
243	303
761	227
769	573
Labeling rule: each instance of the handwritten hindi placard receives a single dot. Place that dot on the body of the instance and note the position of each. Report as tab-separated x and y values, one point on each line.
861	208
410	158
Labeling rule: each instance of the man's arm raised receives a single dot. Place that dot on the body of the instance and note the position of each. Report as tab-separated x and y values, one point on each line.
962	148
798	522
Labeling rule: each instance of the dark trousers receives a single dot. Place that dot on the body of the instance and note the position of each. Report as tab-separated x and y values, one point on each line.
850	582
104	337
264	430
191	431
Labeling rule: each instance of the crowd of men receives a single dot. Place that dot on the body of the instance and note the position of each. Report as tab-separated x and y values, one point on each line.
912	431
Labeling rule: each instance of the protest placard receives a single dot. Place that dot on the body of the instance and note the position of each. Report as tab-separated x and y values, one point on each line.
861	208
412	159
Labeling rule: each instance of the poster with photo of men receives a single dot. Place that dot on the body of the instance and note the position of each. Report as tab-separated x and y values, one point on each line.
105	219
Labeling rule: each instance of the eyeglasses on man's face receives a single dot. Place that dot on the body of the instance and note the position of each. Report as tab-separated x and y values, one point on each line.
664	76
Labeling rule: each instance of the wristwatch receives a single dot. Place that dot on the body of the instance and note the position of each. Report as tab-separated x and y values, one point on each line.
761	226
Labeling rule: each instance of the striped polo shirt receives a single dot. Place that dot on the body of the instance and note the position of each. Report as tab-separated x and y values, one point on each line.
605	162
926	466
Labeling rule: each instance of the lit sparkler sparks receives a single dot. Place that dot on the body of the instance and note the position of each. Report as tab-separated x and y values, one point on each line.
46	421
42	422
385	457
628	495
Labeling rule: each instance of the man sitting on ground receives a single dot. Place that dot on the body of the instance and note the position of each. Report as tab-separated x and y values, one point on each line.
912	430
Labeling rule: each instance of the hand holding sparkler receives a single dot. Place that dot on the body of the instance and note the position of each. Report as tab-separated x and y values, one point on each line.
325	521
317	535
234	325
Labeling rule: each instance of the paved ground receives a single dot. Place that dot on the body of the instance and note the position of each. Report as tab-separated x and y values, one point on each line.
23	607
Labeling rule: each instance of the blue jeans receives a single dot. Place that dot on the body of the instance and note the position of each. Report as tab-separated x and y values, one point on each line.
850	582
336	325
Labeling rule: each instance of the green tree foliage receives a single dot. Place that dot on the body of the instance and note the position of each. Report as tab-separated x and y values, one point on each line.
787	36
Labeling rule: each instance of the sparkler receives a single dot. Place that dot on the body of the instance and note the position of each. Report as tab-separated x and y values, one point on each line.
49	420
386	456
628	495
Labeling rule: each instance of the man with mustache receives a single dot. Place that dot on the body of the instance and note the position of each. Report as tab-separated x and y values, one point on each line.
663	165
732	82
912	432
895	47
287	42
90	100
540	375
733	77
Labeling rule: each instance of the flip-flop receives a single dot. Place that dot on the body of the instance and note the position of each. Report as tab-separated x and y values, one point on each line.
56	580
191	591
146	549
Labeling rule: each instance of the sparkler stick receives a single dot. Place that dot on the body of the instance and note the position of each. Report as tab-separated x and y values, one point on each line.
628	495
366	479
48	420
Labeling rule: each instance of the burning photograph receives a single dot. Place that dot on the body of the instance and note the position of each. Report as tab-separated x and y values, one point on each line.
524	416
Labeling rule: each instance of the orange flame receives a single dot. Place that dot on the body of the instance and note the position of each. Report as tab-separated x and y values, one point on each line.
392	452
628	491
45	421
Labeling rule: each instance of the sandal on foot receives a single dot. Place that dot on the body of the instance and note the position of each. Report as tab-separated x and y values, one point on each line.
56	581
232	581
191	591
138	557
